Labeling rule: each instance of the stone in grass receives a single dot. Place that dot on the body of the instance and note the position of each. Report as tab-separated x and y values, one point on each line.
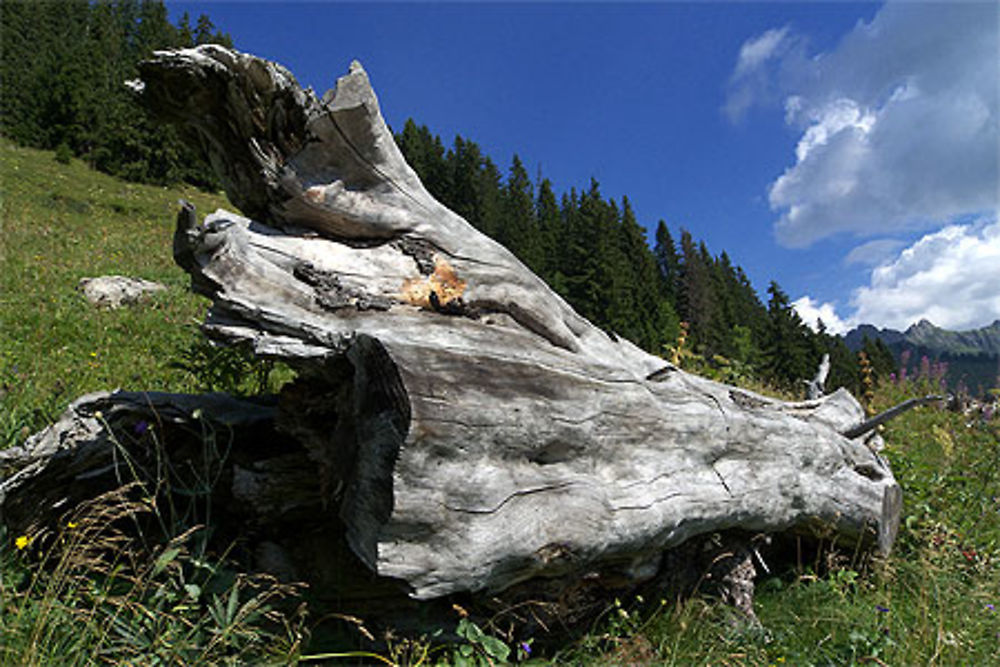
117	291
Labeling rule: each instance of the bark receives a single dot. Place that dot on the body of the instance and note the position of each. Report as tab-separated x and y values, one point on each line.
454	422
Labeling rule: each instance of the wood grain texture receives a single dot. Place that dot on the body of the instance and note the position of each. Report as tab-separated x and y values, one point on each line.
469	430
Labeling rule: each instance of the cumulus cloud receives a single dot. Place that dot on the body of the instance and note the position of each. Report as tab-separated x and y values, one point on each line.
900	123
812	312
950	277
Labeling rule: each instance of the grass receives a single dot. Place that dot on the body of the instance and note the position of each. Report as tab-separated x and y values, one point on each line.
60	223
935	600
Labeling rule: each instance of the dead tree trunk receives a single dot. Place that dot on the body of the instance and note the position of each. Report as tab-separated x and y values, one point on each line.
462	426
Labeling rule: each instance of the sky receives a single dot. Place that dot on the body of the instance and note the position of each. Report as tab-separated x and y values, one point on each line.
848	151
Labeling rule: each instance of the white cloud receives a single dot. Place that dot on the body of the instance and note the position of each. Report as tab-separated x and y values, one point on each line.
755	52
753	78
950	277
900	122
811	312
874	252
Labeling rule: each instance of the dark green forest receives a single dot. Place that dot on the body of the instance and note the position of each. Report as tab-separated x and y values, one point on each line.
64	68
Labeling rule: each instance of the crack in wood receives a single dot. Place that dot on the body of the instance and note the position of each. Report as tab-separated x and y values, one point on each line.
747	401
516	494
722	480
654	501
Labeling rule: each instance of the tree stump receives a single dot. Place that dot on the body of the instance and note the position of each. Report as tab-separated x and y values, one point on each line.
454	423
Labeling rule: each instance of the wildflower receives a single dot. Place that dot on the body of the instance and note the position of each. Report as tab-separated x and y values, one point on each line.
22	542
140	427
93	355
879	608
526	647
992	608
71	525
98	415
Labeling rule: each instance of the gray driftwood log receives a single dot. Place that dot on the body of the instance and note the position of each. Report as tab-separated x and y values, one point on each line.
453	418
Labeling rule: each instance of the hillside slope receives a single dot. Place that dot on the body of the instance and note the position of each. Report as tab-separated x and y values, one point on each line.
63	222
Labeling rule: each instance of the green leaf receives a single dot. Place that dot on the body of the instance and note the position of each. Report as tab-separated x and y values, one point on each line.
164	560
495	648
232	606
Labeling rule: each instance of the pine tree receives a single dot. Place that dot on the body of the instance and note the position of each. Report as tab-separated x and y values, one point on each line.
843	363
668	264
551	232
788	352
519	232
185	34
696	303
655	323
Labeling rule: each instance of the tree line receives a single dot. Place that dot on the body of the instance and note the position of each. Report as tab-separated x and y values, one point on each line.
595	254
63	68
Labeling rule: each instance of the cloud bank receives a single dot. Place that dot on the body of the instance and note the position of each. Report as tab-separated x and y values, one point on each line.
899	123
950	277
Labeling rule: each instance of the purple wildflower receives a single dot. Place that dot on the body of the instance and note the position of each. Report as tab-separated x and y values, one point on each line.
992	608
526	647
140	427
879	608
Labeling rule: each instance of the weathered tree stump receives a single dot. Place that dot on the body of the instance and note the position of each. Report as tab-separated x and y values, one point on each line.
454	422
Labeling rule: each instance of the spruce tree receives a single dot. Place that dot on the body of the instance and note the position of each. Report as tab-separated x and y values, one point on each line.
788	353
668	264
519	232
551	232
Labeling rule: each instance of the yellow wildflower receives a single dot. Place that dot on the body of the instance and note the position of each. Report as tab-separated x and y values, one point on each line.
22	542
70	524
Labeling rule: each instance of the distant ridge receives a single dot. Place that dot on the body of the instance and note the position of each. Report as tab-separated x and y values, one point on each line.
933	338
972	357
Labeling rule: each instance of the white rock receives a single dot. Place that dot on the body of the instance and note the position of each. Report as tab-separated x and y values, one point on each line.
117	291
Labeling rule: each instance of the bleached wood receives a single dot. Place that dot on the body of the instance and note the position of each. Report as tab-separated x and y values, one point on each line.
471	431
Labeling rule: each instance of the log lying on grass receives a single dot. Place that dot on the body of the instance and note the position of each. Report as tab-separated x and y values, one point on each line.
458	422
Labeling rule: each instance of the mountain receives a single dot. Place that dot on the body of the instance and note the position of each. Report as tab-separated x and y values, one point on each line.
855	338
976	341
972	358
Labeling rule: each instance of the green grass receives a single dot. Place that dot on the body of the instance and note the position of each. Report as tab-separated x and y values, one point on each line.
61	223
928	603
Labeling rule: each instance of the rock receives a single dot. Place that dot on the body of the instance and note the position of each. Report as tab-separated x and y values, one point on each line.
117	291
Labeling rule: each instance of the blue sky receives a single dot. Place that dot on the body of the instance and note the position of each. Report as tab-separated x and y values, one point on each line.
848	151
